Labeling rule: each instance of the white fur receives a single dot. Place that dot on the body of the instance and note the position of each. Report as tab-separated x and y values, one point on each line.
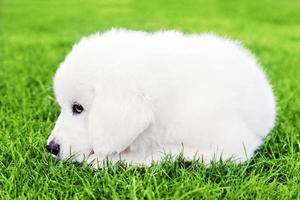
147	94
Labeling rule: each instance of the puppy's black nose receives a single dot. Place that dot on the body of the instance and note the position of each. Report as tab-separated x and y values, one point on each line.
53	147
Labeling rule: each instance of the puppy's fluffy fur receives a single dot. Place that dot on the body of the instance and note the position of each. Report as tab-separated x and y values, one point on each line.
147	94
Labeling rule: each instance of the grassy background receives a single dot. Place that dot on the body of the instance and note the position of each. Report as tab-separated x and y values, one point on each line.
36	35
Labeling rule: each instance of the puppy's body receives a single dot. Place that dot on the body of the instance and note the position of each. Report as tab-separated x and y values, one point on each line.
148	94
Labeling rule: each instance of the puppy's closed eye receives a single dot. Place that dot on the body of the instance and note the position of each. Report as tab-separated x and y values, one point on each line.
77	108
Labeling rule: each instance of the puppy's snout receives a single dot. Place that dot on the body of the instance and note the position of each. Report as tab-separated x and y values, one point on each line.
53	147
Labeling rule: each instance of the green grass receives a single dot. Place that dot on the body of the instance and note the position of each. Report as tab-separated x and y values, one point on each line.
36	35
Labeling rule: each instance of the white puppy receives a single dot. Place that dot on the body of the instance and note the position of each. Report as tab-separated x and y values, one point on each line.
134	96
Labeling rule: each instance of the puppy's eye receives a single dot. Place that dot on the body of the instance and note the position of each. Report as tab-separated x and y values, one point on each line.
77	108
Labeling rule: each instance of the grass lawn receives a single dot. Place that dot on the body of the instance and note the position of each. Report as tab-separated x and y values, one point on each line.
36	35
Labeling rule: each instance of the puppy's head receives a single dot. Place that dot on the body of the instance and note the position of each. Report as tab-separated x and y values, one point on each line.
74	94
99	105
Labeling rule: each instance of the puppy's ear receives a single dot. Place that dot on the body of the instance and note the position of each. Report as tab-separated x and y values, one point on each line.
117	117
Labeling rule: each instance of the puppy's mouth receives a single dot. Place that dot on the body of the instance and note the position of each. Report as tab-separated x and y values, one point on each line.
76	158
58	156
91	152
